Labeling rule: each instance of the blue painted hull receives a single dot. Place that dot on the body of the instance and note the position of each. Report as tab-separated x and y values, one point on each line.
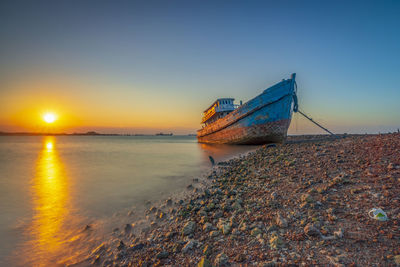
263	119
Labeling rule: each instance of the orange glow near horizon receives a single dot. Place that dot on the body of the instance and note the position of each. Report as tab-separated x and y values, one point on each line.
81	105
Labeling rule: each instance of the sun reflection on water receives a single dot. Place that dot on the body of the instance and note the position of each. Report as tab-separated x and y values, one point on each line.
50	192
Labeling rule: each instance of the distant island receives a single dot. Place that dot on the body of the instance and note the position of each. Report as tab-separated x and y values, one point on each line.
164	134
90	133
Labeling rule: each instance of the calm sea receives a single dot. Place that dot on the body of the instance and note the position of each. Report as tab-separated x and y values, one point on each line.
52	187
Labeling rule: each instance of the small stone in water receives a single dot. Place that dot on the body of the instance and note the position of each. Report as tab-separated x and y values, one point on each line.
121	245
137	247
128	228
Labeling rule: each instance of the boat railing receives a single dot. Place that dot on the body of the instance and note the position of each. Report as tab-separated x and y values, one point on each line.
221	108
225	108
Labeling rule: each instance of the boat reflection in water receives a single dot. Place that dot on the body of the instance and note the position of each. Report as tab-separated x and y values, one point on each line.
222	152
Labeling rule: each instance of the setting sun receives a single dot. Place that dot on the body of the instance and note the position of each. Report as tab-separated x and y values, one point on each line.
49	117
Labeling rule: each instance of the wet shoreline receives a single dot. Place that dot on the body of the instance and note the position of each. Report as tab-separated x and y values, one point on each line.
300	203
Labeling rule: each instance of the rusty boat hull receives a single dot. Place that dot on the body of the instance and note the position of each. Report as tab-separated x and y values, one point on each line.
263	119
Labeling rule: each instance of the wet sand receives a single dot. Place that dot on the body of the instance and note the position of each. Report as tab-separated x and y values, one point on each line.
299	203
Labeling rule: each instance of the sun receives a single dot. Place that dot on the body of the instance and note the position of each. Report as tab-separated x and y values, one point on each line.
49	117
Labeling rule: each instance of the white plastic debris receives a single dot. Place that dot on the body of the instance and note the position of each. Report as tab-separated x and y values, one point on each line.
378	214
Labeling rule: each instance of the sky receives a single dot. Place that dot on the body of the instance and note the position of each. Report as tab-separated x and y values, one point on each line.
150	66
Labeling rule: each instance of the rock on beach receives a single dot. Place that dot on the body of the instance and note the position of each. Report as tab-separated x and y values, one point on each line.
188	228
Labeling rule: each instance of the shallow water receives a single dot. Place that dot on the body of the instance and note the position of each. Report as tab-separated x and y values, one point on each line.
52	187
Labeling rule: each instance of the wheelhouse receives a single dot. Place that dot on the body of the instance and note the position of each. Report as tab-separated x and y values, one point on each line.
219	109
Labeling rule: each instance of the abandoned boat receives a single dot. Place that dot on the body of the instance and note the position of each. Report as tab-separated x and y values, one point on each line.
263	119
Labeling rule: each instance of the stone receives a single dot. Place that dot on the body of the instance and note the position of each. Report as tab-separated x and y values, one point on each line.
120	255
226	228
397	260
275	241
311	230
339	233
189	246
101	248
121	245
161	216
237	206
207	250
209	207
152	209
235	231
207	227
221	260
240	258
168	202
189	228
136	247
204	262
162	255
218	214
272	228
233	221
281	221
96	260
270	264
273	204
306	198
260	239
214	233
128	228
243	226
202	213
256	231
170	234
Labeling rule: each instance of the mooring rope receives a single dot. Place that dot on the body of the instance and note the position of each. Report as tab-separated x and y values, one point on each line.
296	109
316	123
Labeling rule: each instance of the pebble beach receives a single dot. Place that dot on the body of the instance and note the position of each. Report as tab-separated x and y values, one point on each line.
294	204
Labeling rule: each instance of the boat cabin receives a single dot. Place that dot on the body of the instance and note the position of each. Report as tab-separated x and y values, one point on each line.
219	109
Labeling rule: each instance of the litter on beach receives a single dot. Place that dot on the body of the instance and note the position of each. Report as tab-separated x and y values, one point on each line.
378	214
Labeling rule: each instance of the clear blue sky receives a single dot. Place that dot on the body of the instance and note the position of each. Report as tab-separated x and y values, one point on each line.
163	59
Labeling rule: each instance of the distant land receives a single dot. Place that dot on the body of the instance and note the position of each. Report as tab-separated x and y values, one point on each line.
87	133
